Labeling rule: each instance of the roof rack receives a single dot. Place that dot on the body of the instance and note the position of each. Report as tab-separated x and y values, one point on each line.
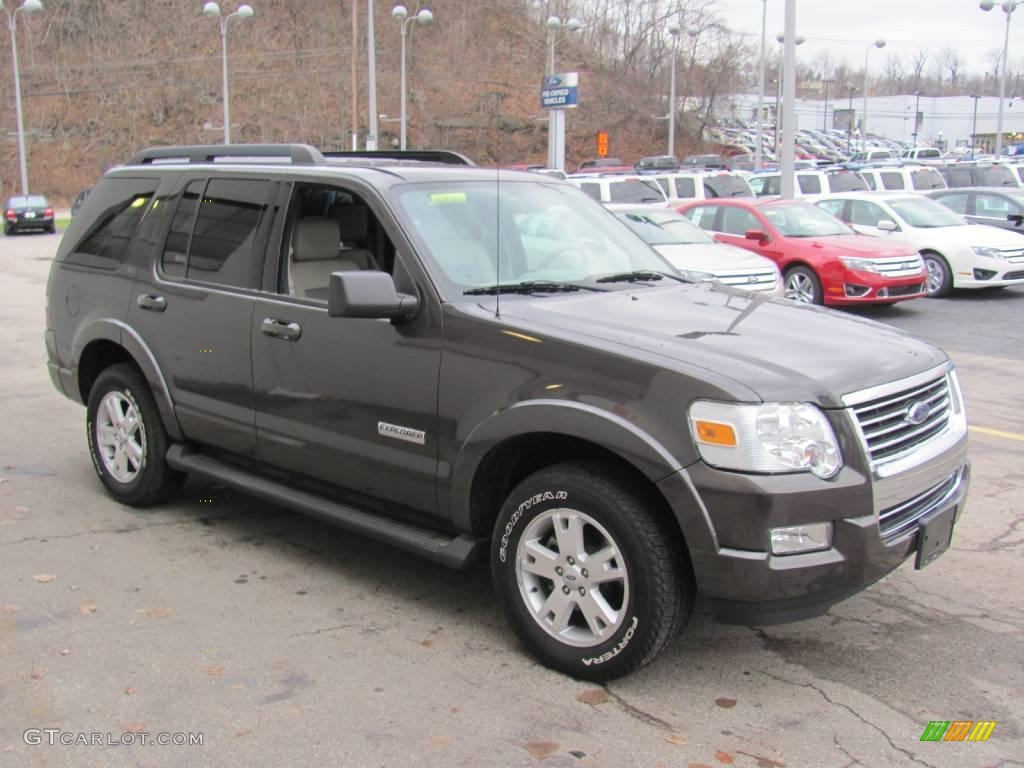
445	156
297	154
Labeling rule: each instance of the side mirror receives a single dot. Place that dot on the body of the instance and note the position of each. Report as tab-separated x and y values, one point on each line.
368	294
887	226
1016	218
756	234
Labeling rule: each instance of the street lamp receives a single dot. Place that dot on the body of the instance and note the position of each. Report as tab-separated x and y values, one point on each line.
674	30
423	17
28	6
556	117
917	111
851	89
781	38
974	125
759	134
244	12
1008	6
879	43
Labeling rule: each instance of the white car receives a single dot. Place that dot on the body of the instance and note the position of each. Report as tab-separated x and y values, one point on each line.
697	255
617	190
956	254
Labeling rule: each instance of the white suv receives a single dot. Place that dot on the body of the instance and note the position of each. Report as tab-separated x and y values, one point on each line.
616	191
903	178
682	187
922	155
809	184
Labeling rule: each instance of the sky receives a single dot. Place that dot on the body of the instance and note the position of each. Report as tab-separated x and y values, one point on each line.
846	27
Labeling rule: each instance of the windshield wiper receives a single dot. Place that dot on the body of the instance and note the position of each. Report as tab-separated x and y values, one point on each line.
529	286
640	275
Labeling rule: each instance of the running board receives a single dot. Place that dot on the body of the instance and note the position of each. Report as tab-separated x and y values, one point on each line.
458	552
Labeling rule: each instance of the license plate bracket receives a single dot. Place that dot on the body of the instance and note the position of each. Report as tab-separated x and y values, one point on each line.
934	536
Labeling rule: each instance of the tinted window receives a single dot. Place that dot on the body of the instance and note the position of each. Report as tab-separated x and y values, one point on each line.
958	177
997	176
892	180
726	186
736	221
118	206
685	187
865	214
634	191
844	181
956	203
809	185
594	190
921	153
869	181
992	206
176	248
927	178
703	216
222	245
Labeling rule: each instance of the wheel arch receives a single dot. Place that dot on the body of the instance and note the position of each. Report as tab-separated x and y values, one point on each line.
110	342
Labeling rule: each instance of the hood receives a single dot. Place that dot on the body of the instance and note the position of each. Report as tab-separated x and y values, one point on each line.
976	234
858	245
712	257
781	350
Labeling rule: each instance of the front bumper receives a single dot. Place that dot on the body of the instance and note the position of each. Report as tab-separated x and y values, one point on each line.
869	288
748	585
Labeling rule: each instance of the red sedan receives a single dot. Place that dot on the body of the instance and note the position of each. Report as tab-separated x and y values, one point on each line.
822	260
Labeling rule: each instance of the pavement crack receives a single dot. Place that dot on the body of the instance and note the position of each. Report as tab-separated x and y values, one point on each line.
638	714
821	692
853	760
322	630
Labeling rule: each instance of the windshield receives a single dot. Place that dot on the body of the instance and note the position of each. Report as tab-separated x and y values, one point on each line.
543	231
804	220
635	191
727	186
664	229
32	201
925	213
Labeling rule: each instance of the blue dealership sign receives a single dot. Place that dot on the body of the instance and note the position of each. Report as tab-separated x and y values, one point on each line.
559	91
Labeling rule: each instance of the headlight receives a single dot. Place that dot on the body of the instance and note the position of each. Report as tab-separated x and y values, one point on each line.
992	253
862	265
696	276
769	437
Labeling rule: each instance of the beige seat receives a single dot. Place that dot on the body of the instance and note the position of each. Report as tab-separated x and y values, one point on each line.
315	255
353	219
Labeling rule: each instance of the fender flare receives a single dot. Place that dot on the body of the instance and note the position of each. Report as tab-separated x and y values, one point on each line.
109	329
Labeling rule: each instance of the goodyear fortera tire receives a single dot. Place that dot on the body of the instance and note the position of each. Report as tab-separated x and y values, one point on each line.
589	579
127	439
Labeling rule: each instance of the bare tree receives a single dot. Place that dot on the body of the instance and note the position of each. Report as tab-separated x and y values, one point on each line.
918	62
894	72
951	62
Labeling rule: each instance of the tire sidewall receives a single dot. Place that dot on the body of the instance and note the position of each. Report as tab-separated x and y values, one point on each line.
815	283
947	276
112	381
525	504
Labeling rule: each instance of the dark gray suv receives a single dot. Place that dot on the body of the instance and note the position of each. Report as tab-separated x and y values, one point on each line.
470	363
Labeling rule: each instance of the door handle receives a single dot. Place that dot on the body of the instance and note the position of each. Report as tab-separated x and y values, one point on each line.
279	329
152	302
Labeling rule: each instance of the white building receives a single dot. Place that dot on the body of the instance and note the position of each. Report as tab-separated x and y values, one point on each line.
942	120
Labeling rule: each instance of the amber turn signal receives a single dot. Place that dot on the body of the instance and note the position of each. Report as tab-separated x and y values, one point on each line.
716	433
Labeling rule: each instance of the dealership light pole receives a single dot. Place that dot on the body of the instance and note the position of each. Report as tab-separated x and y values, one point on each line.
759	133
917	111
851	89
879	43
779	83
29	6
423	17
974	125
371	60
674	30
786	161
1008	6
244	12
556	117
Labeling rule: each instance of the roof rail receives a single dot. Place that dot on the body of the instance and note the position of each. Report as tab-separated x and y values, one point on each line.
445	156
297	154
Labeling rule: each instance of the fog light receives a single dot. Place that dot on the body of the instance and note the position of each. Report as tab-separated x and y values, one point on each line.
984	274
854	291
800	538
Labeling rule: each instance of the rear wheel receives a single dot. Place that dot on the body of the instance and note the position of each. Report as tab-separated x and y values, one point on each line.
939	281
803	286
590	581
127	439
8	230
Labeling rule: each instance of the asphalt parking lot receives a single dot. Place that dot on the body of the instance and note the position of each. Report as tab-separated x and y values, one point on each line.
286	642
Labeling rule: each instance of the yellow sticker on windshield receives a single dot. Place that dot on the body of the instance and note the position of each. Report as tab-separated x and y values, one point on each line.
448	198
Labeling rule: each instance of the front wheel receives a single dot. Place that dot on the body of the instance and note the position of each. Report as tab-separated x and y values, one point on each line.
939	281
803	286
127	439
590	580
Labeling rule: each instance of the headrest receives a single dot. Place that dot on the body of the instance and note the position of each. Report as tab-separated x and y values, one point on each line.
351	218
315	239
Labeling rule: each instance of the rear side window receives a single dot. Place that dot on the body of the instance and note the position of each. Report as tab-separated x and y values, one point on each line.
634	191
870	182
685	187
726	186
997	176
844	181
892	180
117	206
594	190
809	184
225	230
958	177
927	178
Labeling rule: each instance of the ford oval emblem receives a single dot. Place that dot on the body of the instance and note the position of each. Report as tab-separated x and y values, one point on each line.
552	81
919	412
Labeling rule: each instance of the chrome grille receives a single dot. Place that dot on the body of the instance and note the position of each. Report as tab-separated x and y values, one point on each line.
895	521
750	279
1014	275
884	421
900	266
1013	255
